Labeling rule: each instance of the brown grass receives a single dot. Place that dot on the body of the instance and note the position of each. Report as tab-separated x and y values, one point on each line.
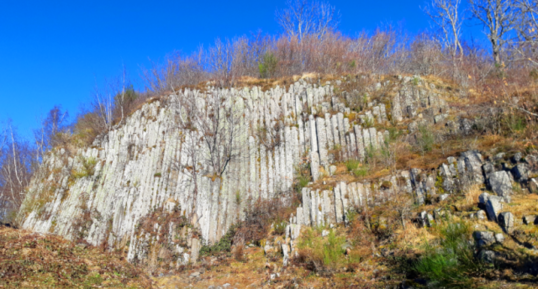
31	260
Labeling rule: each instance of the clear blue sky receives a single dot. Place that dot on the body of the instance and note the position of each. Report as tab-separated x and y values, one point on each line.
55	52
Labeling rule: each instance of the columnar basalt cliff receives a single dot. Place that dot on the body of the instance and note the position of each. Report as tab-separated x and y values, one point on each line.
151	182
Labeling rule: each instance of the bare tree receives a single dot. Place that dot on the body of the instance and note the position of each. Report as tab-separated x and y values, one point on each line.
308	18
49	134
220	59
16	167
176	72
499	18
209	125
447	15
527	31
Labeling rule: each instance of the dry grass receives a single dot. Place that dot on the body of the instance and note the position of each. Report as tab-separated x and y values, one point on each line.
31	260
472	194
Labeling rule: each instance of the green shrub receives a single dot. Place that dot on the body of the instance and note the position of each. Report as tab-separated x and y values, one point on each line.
267	65
302	177
426	138
223	246
450	260
280	227
323	251
352	165
87	169
361	171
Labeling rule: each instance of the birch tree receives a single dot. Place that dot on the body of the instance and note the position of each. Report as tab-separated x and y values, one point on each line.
448	17
499	18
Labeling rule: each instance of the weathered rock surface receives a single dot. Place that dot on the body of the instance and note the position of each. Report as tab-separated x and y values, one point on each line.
484	238
494	206
142	169
506	221
500	183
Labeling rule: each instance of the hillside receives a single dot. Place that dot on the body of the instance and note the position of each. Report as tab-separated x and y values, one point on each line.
355	180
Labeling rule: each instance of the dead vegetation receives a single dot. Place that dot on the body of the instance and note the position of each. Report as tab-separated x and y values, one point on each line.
31	260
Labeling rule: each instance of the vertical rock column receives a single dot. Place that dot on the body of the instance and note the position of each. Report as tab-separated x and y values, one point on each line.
314	155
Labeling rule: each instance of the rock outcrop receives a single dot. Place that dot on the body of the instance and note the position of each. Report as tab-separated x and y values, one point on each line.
134	187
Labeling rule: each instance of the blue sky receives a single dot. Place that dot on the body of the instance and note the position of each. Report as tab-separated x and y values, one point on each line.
55	52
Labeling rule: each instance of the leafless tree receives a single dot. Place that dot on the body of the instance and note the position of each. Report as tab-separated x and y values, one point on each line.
49	134
448	16
177	71
111	102
16	167
527	31
209	125
499	18
103	105
303	18
220	59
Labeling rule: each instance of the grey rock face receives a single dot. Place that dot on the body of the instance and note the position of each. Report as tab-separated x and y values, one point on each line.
494	206
487	256
529	220
499	238
517	157
473	162
506	221
500	183
481	215
144	165
521	172
483	198
443	197
484	238
533	185
488	168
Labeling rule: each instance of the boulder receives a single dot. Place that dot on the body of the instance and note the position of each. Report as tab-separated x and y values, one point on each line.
443	197
521	172
426	219
483	198
494	206
500	183
488	168
517	157
487	256
533	185
422	217
473	166
506	221
532	160
430	220
499	238
483	238
481	215
529	220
